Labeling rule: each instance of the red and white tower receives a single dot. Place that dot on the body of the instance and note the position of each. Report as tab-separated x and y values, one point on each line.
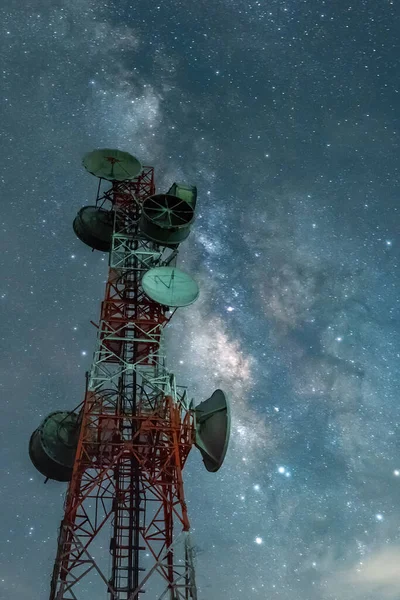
126	528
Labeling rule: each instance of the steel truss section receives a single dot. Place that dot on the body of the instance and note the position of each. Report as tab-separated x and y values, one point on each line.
136	433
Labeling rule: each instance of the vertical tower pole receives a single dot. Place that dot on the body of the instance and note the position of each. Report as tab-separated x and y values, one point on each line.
135	435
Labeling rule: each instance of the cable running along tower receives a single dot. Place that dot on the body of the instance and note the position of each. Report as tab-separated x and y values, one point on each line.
125	528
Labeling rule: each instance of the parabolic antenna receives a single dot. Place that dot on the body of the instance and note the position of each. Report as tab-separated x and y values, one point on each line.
170	286
112	164
94	227
52	446
213	426
184	192
166	219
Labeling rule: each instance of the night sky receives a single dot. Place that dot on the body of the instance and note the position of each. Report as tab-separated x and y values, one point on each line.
286	115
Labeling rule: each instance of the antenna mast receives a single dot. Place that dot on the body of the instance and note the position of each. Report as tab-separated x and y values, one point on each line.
125	528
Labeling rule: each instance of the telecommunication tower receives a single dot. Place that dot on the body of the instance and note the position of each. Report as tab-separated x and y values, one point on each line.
125	527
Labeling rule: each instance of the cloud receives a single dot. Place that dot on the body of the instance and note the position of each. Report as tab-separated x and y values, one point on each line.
378	576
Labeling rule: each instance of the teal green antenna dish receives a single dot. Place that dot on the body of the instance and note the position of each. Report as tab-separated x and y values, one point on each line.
114	165
213	426
166	219
53	444
170	286
184	192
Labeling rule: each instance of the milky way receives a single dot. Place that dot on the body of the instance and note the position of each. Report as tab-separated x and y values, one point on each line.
285	115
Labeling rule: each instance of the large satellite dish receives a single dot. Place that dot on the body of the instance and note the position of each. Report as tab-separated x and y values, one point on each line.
112	164
170	286
213	426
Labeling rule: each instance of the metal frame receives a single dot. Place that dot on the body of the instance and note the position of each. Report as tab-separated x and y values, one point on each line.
136	433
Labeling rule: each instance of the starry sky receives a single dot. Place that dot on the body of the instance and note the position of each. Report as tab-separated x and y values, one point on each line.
286	115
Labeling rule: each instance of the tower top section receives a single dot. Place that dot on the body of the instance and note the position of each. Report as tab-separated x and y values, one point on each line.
114	165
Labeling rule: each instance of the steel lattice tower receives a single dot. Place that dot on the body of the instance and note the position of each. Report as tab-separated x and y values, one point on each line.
124	450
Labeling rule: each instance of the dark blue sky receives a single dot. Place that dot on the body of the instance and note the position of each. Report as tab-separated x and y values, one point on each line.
286	117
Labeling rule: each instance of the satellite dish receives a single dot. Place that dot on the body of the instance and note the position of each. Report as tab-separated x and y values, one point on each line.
170	286
53	444
213	426
166	219
185	192
112	164
94	226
